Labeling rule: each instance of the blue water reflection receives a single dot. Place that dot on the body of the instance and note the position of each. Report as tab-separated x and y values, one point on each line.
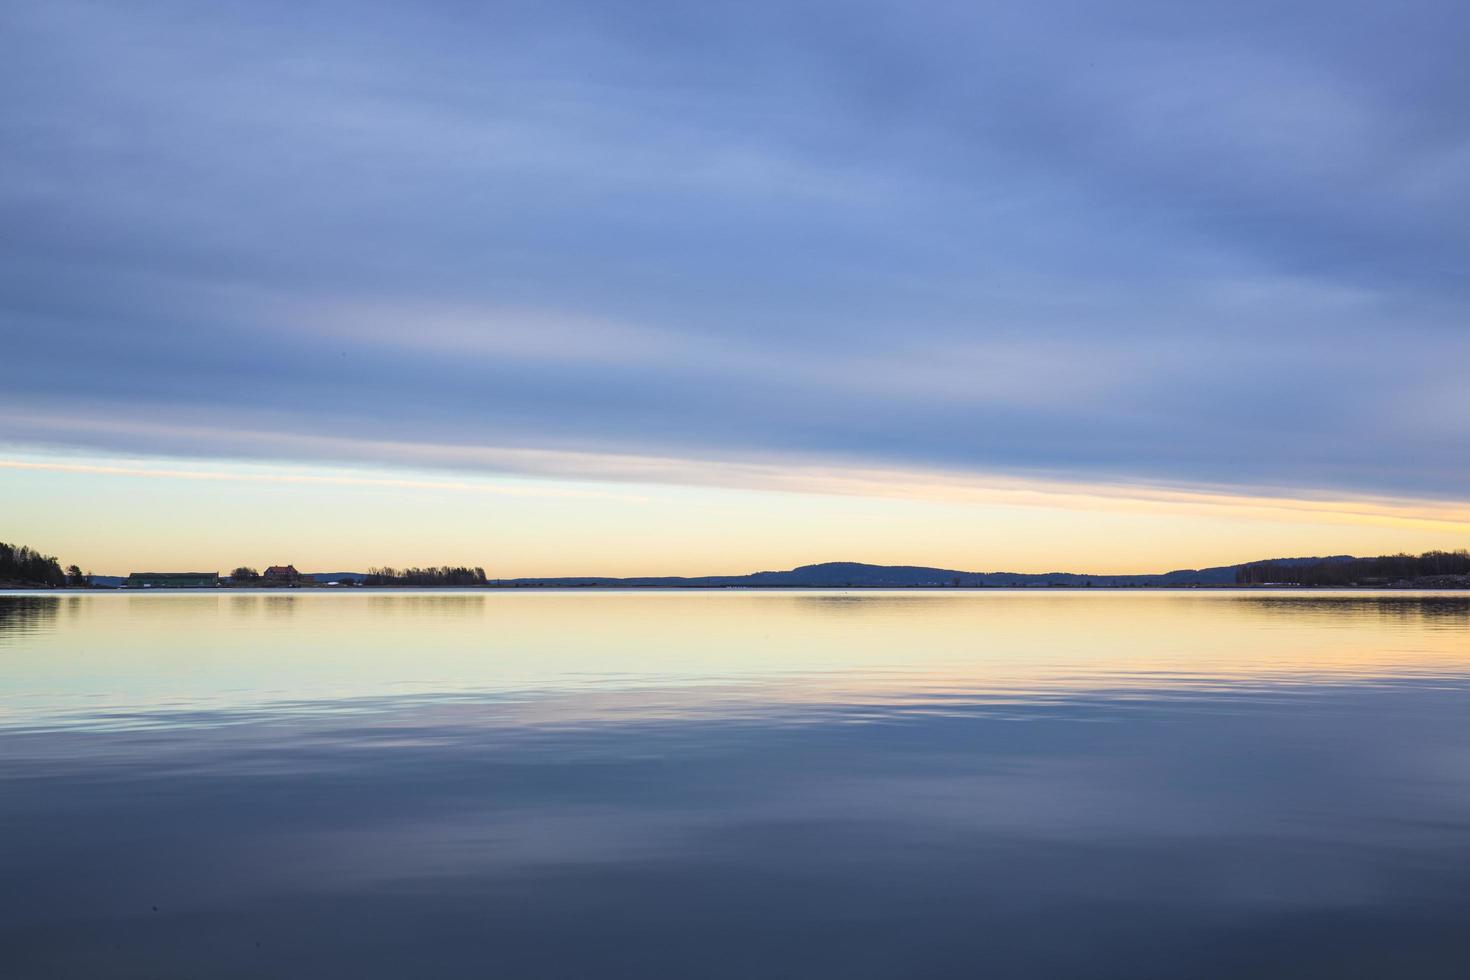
704	785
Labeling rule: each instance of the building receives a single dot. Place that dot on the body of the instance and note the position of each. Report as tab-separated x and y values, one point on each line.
172	580
281	575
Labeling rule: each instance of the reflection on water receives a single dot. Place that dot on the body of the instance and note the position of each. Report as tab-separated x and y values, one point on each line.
1448	609
735	785
21	614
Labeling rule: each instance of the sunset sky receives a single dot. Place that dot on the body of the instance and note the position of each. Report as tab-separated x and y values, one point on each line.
632	288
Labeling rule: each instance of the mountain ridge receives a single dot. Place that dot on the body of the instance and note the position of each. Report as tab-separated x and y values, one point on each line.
846	574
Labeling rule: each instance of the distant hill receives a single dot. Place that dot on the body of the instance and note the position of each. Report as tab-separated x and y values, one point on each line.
857	575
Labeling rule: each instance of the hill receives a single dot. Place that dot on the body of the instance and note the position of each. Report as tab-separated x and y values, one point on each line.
857	575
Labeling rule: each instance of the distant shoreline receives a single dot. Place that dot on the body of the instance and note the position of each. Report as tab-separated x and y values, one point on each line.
1433	570
369	589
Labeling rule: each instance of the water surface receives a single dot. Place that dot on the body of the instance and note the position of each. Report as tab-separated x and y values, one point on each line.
735	784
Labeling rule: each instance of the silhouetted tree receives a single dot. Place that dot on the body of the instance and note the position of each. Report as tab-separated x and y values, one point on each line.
244	574
1383	570
24	565
75	576
446	576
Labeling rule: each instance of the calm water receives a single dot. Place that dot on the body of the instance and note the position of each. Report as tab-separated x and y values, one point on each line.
741	785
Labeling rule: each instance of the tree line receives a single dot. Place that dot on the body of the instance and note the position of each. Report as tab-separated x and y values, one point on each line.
28	566
443	575
1383	570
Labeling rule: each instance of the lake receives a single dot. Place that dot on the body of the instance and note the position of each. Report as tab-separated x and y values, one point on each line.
530	784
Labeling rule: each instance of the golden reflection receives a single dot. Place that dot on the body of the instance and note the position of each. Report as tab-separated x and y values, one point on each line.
426	604
715	652
244	605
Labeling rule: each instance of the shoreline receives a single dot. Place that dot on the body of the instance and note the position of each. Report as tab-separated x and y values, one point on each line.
368	589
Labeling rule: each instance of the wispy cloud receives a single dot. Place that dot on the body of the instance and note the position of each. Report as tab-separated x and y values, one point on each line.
241	473
483	469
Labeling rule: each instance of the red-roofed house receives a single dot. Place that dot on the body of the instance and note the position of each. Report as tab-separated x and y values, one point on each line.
282	575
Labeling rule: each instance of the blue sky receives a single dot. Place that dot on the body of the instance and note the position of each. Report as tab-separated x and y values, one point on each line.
1215	247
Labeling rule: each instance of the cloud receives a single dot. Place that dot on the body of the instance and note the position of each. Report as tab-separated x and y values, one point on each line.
1198	247
481	469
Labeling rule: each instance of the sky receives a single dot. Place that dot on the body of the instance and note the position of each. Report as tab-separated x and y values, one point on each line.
615	287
